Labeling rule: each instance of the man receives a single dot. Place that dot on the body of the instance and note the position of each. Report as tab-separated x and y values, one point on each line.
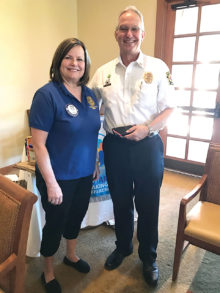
135	90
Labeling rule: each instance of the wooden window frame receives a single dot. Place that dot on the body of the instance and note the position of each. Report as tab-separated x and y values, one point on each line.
163	49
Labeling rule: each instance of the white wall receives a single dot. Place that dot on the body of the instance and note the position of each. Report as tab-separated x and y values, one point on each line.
30	31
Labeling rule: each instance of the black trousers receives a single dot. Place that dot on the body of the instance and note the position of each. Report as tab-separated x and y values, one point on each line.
64	219
134	173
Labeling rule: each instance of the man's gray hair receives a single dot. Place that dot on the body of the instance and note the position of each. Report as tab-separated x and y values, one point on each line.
135	10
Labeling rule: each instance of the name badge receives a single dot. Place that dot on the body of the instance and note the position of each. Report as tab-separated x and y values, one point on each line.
72	110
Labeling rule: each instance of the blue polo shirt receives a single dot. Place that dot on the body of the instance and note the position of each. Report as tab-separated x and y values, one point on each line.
72	128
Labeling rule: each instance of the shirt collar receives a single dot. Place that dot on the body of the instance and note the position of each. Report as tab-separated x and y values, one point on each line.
118	61
64	89
139	61
67	93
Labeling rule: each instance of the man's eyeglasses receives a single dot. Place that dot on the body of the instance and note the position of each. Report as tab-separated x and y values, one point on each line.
125	29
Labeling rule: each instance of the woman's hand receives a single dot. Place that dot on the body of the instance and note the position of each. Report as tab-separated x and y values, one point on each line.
96	171
54	193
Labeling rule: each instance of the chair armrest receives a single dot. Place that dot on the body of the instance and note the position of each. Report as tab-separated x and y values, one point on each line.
189	196
185	200
8	264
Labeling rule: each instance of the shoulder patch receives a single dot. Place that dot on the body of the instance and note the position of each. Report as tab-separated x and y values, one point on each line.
169	77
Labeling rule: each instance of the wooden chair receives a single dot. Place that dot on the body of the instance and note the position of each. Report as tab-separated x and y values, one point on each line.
15	212
200	226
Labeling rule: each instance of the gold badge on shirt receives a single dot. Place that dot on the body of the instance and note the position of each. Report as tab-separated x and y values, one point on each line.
91	103
148	77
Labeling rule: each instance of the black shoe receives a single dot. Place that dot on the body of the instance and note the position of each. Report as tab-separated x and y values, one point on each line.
151	273
114	260
52	286
81	265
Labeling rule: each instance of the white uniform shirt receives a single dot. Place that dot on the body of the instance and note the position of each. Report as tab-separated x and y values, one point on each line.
134	94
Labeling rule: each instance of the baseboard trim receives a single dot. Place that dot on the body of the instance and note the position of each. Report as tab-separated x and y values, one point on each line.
184	167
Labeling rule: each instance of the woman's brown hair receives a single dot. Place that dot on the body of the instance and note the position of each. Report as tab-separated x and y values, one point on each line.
62	50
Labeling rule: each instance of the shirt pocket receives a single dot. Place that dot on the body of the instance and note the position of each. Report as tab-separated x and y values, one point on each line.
110	95
147	95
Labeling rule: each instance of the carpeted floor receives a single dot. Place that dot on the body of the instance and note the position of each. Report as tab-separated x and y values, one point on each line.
199	270
208	275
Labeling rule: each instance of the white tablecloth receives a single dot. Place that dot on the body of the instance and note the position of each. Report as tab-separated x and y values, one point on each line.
37	217
98	213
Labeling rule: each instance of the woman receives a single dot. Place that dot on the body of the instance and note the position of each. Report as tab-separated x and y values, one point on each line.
64	121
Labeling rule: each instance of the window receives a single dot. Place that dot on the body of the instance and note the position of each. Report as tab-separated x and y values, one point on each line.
191	49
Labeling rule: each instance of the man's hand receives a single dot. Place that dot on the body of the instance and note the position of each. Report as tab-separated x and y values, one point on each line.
138	132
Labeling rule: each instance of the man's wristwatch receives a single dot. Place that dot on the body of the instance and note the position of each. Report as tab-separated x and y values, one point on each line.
150	130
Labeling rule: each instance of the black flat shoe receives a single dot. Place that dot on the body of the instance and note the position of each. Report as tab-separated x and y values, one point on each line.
114	260
52	286
151	273
81	265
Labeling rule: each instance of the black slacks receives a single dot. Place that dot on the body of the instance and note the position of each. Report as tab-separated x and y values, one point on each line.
64	219
134	173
